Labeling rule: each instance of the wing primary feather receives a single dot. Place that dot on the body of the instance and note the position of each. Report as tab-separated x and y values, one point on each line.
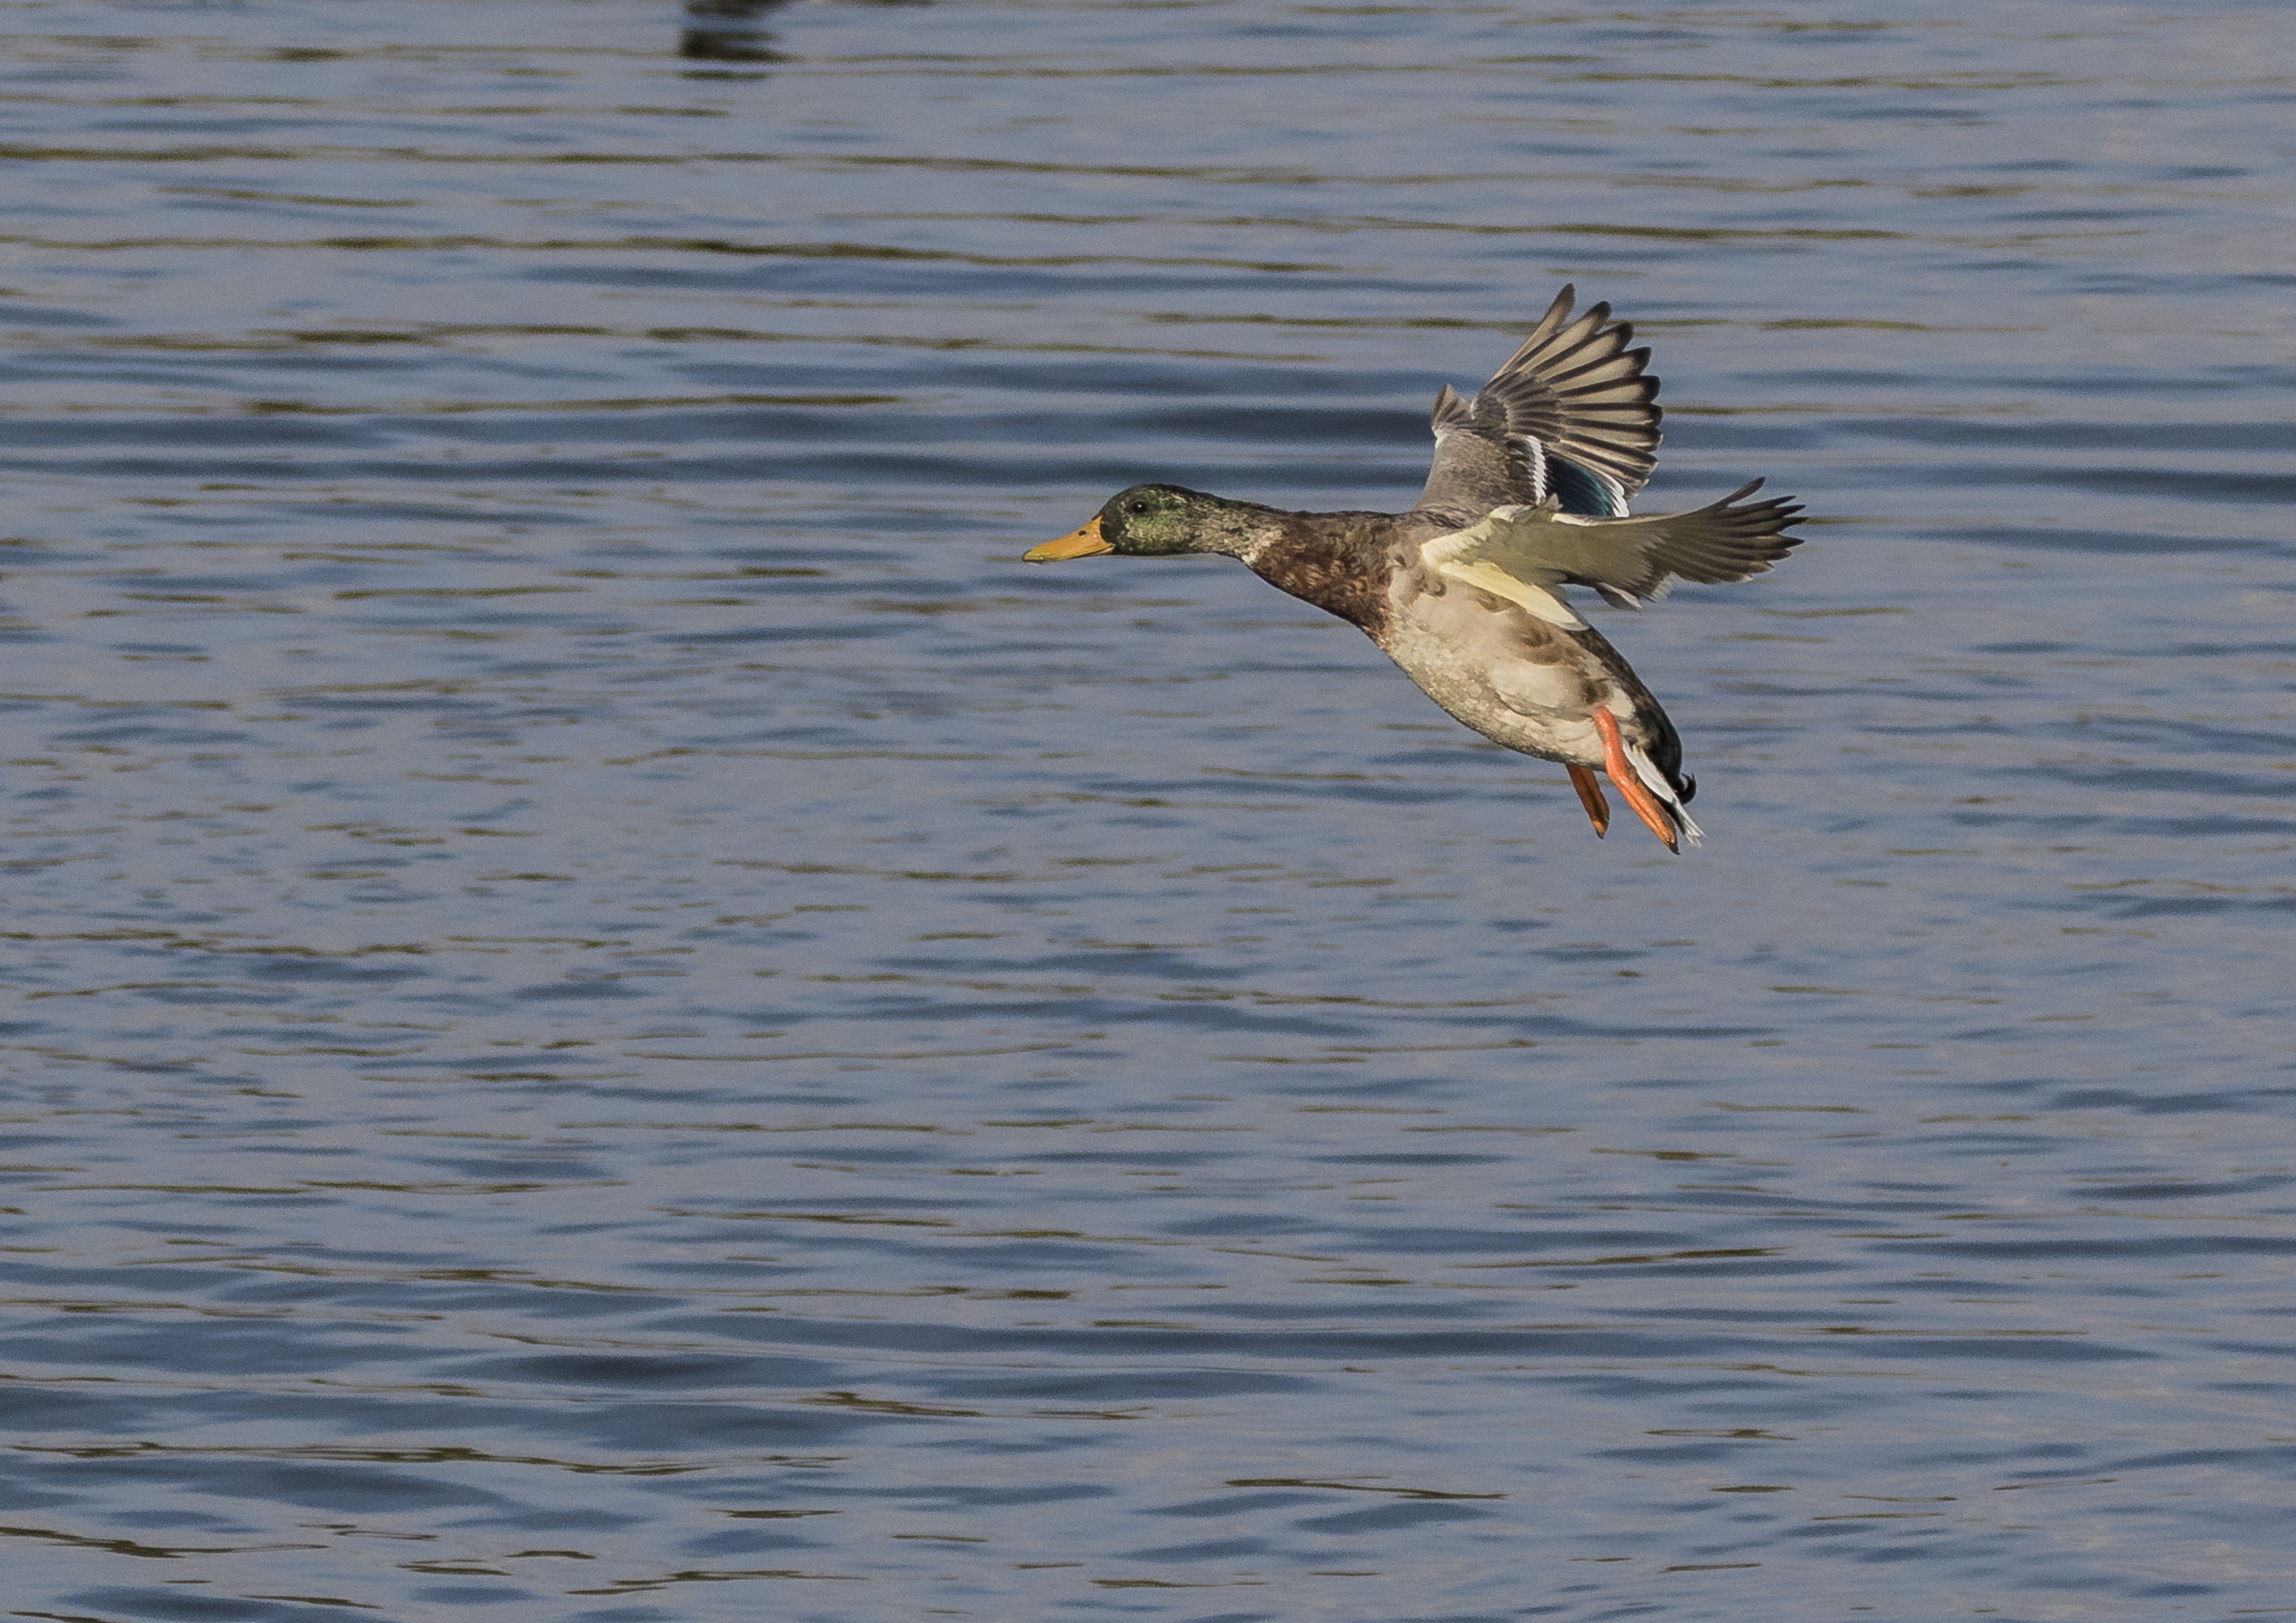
1576	390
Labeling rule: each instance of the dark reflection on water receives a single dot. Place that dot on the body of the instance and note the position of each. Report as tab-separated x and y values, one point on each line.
730	31
614	1013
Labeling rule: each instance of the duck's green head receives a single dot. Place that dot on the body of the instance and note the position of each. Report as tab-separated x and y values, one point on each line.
1156	521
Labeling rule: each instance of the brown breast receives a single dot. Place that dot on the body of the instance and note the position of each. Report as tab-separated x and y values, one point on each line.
1337	562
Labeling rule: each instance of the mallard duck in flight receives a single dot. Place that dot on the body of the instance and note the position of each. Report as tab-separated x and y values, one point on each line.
1527	495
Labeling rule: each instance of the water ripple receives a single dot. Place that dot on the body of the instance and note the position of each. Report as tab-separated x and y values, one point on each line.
609	999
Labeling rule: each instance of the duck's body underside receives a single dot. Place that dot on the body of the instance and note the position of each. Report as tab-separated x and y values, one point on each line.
1564	697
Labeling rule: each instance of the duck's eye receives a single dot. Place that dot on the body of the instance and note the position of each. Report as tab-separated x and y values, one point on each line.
1136	505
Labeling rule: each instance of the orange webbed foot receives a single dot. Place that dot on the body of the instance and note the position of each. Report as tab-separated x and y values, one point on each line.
1590	795
1627	782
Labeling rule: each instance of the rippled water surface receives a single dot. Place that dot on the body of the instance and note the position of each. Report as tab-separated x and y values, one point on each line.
613	1014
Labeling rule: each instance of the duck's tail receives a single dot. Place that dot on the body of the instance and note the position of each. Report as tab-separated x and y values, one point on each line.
1654	797
1669	797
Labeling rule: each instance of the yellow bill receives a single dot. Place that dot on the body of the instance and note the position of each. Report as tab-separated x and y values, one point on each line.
1077	543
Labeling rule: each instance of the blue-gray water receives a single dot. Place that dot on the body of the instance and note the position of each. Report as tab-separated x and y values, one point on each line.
614	1016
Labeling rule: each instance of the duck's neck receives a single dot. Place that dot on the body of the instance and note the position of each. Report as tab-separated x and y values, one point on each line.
1237	529
1316	557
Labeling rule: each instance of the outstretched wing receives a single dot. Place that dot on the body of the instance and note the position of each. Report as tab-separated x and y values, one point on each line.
1572	414
1522	554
